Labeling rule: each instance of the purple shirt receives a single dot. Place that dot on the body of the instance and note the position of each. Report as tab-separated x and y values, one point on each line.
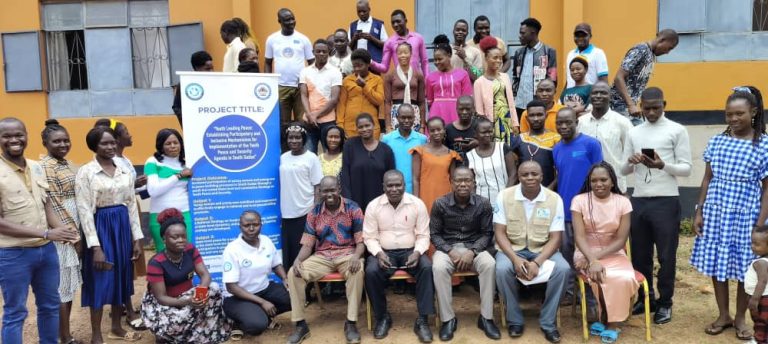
419	58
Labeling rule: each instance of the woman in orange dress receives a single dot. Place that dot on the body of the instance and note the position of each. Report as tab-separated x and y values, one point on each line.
361	91
601	217
433	164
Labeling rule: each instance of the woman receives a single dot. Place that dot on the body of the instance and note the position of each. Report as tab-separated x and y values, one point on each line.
577	97
300	175
167	179
732	201
108	213
248	61
170	307
365	161
361	91
251	299
433	164
601	218
244	32
60	174
494	163
447	84
493	93
332	139
395	92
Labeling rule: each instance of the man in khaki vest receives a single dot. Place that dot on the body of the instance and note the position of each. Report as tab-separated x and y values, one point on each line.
528	225
27	257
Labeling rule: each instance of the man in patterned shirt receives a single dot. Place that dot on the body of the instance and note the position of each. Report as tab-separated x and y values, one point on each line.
334	231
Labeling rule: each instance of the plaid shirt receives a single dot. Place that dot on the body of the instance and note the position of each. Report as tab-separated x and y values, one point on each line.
336	234
60	175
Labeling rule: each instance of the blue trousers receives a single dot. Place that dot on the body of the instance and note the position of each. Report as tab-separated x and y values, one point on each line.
20	268
507	285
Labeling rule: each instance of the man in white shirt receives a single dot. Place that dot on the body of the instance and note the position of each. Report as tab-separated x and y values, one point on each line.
288	49
229	34
657	152
607	126
598	63
367	33
319	84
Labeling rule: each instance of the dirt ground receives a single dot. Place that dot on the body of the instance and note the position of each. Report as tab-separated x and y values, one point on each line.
694	309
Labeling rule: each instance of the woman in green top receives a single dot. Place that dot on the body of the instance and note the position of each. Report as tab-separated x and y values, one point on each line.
577	97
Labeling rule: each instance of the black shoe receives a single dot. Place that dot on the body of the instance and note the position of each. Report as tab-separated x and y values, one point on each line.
299	334
350	332
552	336
639	307
421	329
663	315
515	330
490	329
382	327
447	329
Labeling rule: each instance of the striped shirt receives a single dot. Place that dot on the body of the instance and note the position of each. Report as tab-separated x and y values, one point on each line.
176	277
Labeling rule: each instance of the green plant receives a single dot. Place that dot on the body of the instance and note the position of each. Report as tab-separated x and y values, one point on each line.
686	227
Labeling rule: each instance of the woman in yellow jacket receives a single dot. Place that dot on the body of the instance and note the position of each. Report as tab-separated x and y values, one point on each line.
361	91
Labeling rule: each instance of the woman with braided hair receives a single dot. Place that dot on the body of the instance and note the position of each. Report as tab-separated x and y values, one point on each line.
601	217
732	201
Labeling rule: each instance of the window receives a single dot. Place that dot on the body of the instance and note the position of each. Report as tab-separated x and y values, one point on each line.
65	59
151	65
760	15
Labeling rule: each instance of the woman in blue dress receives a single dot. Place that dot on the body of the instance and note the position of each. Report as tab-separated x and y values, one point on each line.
732	201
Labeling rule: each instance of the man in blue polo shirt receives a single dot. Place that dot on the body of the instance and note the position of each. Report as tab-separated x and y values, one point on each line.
402	140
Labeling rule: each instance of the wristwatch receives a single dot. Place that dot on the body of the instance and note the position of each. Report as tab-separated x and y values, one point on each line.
696	208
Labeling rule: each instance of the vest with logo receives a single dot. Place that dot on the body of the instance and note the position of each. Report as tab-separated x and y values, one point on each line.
376	27
532	233
19	205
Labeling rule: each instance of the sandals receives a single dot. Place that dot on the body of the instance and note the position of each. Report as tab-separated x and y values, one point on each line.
236	335
740	334
596	329
136	324
129	336
714	330
72	341
609	336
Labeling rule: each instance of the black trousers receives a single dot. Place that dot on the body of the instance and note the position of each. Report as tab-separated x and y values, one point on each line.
291	232
376	281
249	316
656	221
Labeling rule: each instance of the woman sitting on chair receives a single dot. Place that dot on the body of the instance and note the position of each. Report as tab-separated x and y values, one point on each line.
601	217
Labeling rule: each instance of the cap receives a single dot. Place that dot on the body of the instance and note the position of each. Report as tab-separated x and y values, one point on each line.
583	27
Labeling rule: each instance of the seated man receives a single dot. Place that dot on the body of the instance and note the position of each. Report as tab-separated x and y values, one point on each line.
334	231
528	224
396	233
461	229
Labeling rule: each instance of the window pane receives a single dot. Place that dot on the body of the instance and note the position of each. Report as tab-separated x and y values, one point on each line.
65	57
683	15
183	41
106	13
151	67
60	17
109	58
152	13
760	15
21	57
729	15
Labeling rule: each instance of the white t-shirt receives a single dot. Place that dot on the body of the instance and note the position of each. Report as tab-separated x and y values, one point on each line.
289	54
249	266
298	176
500	214
319	83
598	64
232	56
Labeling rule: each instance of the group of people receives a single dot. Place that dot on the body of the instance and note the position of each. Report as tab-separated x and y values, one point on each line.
465	169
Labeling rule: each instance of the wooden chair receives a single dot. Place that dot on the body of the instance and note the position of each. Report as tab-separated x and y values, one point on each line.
332	277
638	277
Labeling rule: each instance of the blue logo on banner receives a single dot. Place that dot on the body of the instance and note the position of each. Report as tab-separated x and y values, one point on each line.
234	143
194	91
262	91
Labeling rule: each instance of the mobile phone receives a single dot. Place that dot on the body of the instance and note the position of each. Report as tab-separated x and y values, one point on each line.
359	31
649	152
201	293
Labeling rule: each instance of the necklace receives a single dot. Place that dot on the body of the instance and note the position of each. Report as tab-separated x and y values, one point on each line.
176	262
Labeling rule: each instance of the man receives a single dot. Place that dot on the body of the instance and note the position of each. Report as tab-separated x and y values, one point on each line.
545	92
201	62
528	226
30	258
230	33
288	49
319	84
482	26
335	232
531	63
536	144
367	32
655	199
574	156
461	229
342	55
402	140
460	135
598	63
465	56
607	126
396	233
636	68
419	58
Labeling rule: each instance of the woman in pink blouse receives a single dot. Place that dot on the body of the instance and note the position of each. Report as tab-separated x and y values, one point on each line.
447	84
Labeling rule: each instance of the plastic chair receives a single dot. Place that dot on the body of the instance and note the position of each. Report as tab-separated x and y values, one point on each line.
647	303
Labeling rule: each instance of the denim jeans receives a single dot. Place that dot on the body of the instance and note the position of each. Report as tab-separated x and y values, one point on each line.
21	267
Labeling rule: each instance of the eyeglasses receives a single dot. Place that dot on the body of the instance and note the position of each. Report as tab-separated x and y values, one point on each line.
742	89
